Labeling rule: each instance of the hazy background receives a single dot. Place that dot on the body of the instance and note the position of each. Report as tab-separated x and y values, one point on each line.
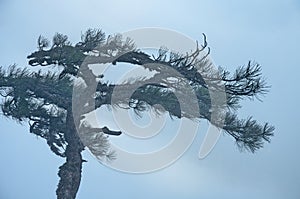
265	31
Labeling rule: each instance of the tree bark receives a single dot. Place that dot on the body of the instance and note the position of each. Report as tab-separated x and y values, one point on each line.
70	171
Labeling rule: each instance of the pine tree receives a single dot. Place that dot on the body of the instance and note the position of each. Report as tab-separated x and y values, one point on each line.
45	99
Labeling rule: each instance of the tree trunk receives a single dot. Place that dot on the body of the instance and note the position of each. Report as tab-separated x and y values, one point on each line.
70	171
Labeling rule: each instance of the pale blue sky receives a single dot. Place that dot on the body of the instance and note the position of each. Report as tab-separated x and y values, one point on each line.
265	31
